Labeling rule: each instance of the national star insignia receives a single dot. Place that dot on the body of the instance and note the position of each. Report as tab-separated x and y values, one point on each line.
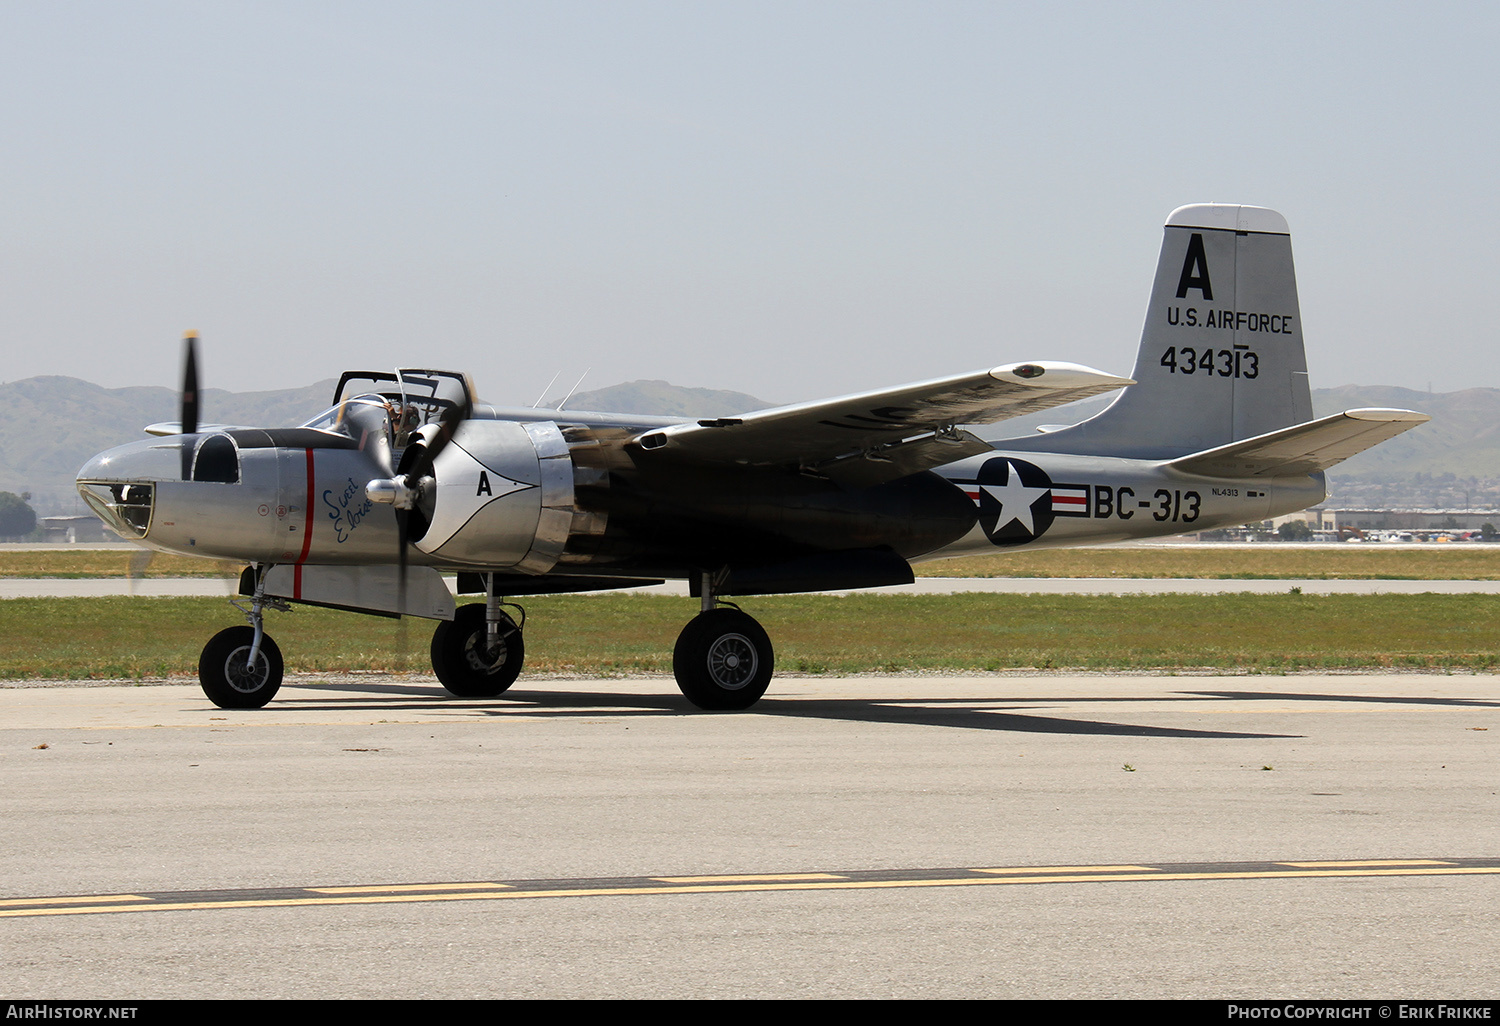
1015	499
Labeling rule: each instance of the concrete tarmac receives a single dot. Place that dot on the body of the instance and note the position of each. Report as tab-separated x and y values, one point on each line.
910	836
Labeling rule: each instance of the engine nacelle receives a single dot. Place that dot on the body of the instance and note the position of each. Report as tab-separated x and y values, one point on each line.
503	497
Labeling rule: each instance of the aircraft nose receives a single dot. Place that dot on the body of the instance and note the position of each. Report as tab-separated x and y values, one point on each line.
119	484
99	468
148	460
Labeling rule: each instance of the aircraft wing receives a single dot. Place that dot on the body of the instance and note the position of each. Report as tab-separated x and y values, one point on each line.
870	437
1304	448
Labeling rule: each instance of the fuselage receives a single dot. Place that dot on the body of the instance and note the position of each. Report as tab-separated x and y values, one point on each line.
528	491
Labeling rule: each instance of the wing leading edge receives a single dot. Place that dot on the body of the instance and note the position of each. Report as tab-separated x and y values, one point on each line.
871	437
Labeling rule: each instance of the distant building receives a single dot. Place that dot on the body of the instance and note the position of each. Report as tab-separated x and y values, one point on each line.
1335	524
74	529
1405	519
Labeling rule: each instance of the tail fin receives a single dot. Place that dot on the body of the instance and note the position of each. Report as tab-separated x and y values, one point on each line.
1221	355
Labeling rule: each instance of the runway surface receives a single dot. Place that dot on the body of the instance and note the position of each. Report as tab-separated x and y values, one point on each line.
1004	836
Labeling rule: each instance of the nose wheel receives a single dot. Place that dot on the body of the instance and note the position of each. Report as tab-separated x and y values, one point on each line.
723	660
230	678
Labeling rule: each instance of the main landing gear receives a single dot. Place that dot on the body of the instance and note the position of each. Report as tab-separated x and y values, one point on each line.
723	658
478	654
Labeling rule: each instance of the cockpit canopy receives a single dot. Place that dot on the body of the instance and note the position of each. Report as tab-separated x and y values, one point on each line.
412	397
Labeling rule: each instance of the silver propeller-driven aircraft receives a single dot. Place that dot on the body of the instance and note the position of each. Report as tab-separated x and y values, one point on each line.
407	477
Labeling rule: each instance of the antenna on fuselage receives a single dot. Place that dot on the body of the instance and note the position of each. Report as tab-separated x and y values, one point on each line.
574	388
545	391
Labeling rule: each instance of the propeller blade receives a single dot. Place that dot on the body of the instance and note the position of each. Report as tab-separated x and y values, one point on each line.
187	419
412	483
189	415
402	540
448	424
140	561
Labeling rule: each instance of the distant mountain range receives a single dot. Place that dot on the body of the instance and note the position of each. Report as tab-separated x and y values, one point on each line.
56	423
53	424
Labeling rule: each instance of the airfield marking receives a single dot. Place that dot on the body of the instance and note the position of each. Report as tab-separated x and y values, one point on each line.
394	888
750	878
80	899
1369	862
166	901
1070	869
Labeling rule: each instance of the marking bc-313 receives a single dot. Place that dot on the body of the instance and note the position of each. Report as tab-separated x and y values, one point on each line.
1172	504
1018	501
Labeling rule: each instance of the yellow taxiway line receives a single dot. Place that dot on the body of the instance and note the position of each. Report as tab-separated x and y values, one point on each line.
382	894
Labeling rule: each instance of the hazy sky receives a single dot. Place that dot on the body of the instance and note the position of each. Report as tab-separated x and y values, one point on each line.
788	199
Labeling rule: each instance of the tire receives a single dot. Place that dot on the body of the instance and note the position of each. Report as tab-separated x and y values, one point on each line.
723	660
460	661
225	675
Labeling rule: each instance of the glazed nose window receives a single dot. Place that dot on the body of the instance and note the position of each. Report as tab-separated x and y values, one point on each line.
126	508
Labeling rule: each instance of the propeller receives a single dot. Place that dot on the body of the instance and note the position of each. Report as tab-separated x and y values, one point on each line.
187	420
140	562
413	485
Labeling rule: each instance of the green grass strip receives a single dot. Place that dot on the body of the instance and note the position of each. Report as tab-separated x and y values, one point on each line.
625	634
1458	561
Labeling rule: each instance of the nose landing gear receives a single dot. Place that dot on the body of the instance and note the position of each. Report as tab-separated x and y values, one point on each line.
234	678
241	667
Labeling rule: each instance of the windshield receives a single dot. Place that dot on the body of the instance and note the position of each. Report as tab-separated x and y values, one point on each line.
352	417
368	419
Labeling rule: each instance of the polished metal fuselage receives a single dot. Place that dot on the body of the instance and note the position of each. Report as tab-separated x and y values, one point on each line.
507	503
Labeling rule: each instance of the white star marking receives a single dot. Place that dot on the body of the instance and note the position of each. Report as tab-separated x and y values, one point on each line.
1015	500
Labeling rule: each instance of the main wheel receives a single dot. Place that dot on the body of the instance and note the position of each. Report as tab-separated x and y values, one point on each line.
463	660
723	660
228	679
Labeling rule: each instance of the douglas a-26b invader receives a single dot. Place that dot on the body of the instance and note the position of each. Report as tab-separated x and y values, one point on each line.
406	477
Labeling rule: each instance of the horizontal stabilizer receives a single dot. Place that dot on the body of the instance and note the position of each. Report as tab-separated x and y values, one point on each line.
1303	448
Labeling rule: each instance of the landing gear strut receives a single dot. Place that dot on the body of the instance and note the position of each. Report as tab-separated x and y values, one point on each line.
480	652
723	658
241	667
